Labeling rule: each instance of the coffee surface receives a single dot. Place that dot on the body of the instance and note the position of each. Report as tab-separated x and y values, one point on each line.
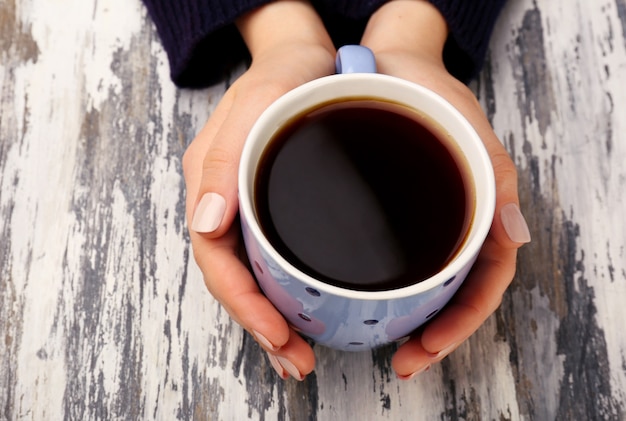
363	195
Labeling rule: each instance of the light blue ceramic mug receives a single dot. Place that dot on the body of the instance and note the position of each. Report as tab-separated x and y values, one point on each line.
348	318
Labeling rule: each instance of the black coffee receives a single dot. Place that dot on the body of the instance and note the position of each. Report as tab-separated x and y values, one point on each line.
363	194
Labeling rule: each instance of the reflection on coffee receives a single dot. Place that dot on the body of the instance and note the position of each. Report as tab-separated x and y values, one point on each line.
364	194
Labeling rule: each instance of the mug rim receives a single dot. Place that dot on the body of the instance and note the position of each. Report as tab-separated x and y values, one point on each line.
273	118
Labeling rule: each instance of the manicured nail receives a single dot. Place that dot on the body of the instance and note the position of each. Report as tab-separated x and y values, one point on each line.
443	353
264	341
514	223
410	376
209	213
279	368
290	368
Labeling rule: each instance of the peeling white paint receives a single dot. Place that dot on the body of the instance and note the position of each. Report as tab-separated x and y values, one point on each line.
105	314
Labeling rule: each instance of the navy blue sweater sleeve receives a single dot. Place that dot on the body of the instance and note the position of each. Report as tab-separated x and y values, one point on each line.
470	23
203	44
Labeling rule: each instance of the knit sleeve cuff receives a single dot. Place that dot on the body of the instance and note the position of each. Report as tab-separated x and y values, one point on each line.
202	43
470	23
199	37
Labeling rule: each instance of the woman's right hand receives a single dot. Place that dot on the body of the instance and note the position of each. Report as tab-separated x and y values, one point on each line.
289	47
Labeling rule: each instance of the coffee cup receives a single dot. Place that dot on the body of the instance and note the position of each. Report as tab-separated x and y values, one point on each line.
364	202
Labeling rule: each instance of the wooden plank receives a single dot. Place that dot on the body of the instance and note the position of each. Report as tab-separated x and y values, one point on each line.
565	65
104	314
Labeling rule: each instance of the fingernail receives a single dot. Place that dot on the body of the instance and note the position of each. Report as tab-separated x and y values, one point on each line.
264	341
514	223
209	213
410	376
279	368
444	352
290	368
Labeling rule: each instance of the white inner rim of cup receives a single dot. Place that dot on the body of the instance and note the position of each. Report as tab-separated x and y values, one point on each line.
388	88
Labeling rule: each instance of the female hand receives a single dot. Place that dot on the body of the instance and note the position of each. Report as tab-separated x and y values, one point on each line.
407	38
289	46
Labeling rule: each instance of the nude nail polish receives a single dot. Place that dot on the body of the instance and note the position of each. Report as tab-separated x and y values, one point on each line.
410	376
276	365
209	213
290	368
444	352
514	223
264	341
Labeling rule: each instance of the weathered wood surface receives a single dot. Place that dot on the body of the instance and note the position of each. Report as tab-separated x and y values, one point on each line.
103	313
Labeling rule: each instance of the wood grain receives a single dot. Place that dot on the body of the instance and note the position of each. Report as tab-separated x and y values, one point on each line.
104	314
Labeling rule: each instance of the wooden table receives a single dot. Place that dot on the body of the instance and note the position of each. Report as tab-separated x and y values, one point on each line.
103	312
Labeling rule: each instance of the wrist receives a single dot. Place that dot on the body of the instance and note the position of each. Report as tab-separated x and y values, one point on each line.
280	23
408	26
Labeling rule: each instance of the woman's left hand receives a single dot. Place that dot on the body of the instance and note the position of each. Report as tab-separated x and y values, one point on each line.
407	38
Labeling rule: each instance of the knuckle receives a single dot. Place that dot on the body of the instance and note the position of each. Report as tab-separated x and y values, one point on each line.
219	158
503	166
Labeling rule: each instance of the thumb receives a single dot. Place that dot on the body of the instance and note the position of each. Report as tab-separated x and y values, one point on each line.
509	227
216	201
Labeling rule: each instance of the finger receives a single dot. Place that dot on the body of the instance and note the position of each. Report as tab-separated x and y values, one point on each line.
509	227
232	284
240	295
216	199
198	148
479	296
412	359
295	359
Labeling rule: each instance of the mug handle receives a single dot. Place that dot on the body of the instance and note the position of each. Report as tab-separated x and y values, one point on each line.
355	59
